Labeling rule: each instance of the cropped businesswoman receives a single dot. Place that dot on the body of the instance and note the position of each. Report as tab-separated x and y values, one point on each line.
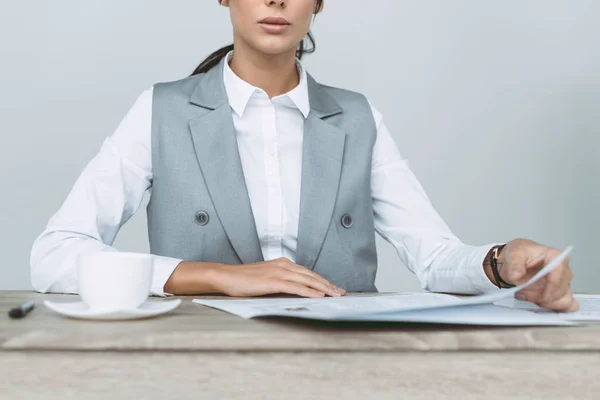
265	181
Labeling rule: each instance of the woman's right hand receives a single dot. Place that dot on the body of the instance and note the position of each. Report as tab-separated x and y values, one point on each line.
272	277
280	276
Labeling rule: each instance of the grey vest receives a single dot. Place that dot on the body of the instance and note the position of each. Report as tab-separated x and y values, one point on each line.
200	209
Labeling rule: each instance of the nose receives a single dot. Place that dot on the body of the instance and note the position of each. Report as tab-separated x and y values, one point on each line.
280	3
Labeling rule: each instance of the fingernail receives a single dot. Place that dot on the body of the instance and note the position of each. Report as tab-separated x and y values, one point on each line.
520	296
340	290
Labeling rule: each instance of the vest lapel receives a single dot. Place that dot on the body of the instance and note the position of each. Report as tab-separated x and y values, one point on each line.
322	159
214	137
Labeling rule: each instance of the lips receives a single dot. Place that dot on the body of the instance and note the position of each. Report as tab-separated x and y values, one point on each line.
275	21
275	25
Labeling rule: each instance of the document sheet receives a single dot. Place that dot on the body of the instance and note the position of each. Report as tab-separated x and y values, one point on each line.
589	308
400	307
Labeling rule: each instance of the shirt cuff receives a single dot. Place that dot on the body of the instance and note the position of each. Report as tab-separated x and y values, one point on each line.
163	269
476	273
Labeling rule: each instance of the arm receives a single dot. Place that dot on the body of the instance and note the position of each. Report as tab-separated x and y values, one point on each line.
107	193
405	217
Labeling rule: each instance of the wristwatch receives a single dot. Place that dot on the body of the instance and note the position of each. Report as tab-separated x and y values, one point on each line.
495	253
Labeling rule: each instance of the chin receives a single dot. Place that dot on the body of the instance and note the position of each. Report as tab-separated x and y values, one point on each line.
276	46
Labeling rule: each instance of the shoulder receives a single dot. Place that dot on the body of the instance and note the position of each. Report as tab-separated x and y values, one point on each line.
181	87
350	100
344	96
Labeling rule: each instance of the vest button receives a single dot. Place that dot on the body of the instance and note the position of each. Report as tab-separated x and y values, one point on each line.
201	218
347	221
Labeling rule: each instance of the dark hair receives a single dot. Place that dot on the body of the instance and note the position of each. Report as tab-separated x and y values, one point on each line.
215	58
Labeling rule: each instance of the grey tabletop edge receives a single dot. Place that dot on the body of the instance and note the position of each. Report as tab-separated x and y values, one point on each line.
192	327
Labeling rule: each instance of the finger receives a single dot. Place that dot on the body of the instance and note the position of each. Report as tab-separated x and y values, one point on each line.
557	281
313	275
551	287
521	270
567	303
311	282
519	273
536	261
287	287
558	284
537	294
290	266
533	292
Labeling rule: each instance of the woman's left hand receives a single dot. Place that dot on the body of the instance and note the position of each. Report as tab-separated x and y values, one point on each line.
521	259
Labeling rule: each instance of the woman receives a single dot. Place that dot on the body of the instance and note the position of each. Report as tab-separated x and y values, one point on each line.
264	181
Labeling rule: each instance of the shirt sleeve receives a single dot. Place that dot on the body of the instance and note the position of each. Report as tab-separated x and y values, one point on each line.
105	196
405	217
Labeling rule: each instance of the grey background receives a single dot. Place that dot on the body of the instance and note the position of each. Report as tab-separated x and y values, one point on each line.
495	104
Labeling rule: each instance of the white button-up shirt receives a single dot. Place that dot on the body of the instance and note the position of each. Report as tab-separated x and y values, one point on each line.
269	135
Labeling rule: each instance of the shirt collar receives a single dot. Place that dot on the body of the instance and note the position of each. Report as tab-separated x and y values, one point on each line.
240	92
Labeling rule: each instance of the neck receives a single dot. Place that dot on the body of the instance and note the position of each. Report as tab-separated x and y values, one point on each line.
275	74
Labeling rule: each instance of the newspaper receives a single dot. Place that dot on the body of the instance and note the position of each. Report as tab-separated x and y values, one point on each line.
408	307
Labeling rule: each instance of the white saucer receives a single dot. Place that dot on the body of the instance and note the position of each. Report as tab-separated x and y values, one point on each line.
81	310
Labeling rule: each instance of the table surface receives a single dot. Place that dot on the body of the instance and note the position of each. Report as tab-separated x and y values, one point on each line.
194	328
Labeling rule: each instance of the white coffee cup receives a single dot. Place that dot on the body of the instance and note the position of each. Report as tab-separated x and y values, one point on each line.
114	280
